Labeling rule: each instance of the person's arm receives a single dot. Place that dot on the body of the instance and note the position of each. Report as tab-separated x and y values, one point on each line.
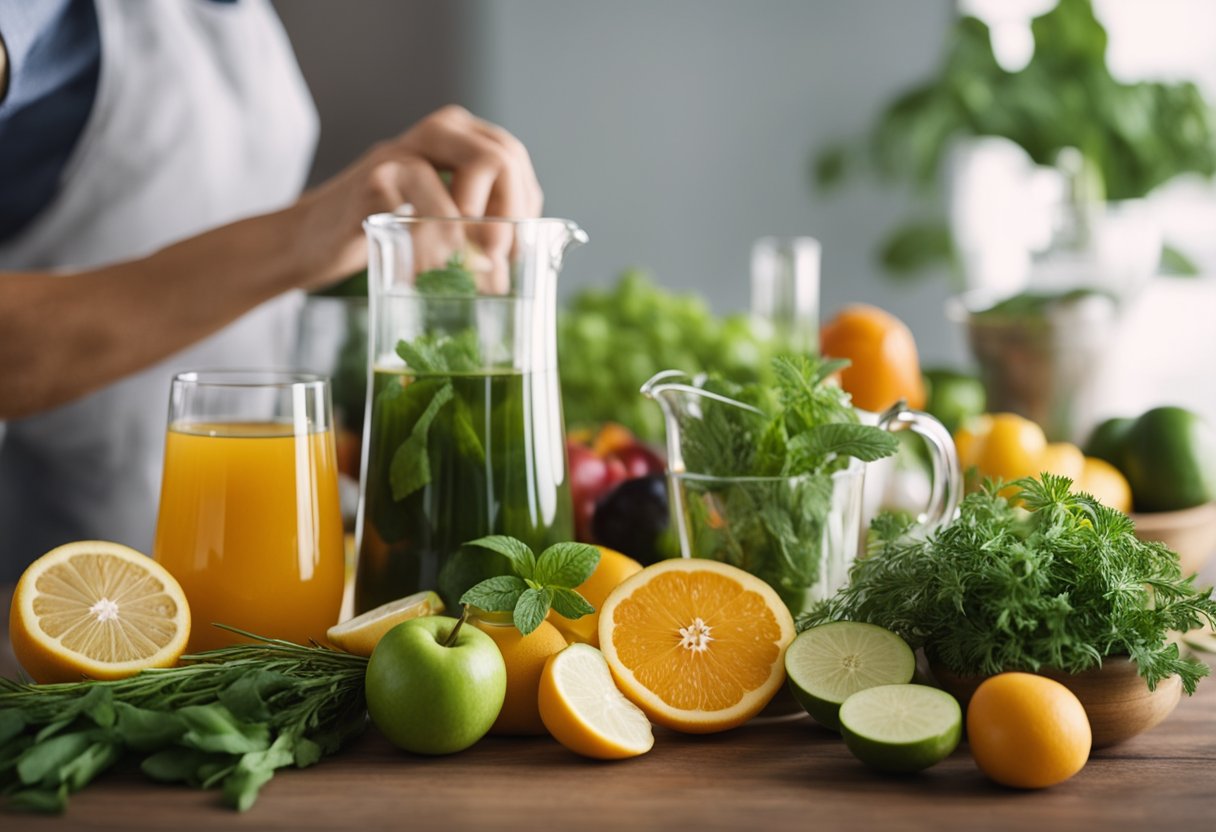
3	69
65	335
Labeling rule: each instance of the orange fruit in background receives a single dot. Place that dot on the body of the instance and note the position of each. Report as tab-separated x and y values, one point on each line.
1105	482
885	365
1027	731
1012	448
525	658
98	610
698	645
612	569
1063	458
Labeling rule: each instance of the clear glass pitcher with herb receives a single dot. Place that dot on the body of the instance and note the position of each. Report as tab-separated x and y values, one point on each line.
770	479
464	432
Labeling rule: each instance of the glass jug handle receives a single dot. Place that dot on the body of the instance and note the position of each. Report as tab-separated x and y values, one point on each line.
947	474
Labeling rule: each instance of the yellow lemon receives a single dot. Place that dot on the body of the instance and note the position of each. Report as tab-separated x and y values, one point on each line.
584	711
360	634
97	610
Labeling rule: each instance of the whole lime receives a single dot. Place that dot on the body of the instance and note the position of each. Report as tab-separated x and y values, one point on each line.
954	397
1169	457
1108	440
430	697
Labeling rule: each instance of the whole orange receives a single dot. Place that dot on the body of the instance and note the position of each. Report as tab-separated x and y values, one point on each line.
885	367
1027	731
525	658
612	569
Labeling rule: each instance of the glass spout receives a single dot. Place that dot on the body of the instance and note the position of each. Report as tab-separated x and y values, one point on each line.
681	397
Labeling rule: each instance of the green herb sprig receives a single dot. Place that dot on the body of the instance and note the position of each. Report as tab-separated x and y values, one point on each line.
538	583
1063	584
763	490
225	718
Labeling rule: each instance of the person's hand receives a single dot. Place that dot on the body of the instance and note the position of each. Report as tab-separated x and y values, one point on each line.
491	176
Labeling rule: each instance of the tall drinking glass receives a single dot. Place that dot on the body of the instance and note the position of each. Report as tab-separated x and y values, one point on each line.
249	518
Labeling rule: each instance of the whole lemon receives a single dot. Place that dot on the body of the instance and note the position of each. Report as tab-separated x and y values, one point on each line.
1027	731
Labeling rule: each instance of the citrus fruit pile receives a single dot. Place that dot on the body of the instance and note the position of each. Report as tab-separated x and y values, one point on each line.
1007	447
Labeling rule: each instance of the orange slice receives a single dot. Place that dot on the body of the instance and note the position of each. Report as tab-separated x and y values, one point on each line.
97	610
698	645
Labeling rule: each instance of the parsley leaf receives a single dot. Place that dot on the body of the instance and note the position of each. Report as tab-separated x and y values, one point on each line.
1063	584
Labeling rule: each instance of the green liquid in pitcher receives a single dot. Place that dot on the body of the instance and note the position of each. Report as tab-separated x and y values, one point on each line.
454	457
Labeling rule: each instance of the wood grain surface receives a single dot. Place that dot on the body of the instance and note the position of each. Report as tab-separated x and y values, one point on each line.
789	775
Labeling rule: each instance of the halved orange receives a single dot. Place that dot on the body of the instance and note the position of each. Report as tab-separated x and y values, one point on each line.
698	645
97	610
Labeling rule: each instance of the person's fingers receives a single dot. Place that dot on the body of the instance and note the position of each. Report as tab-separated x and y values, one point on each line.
452	139
409	180
534	198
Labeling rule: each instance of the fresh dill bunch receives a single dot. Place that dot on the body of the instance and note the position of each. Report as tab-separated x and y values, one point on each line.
1061	582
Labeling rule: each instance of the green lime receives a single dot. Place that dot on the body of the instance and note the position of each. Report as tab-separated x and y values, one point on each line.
1107	441
829	663
901	727
954	397
1169	458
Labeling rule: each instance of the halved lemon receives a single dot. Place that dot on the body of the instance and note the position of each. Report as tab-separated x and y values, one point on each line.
584	711
97	610
360	634
698	645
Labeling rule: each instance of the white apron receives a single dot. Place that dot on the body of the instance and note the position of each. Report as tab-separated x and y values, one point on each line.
201	117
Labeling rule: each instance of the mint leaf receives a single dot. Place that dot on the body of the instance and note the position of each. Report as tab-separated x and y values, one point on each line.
567	564
531	609
516	551
422	355
452	279
411	465
570	604
499	594
865	442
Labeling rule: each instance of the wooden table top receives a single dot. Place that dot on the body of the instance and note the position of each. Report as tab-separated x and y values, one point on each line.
788	775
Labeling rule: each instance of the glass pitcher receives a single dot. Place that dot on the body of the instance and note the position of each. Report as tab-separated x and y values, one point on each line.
464	433
800	534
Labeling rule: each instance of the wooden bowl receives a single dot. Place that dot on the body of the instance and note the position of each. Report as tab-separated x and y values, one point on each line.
1116	700
1190	532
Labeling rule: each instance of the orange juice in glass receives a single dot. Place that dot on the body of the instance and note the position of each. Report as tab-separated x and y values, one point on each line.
249	519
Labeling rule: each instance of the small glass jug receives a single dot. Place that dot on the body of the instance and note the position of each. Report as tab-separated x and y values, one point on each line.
464	433
800	534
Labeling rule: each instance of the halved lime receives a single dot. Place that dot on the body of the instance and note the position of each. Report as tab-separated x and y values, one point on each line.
829	663
901	727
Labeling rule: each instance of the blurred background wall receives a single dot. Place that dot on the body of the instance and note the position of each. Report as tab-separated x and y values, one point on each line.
678	132
675	133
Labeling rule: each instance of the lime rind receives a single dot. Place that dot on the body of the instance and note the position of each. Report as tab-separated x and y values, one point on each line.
901	728
828	664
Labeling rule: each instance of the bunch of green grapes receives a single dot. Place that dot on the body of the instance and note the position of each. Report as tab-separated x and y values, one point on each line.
611	341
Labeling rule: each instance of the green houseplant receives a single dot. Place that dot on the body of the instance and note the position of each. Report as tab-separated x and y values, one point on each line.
1133	136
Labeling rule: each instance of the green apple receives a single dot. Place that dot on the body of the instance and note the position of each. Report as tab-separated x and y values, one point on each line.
429	697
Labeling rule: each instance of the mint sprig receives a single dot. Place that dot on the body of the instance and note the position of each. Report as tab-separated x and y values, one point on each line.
538	583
